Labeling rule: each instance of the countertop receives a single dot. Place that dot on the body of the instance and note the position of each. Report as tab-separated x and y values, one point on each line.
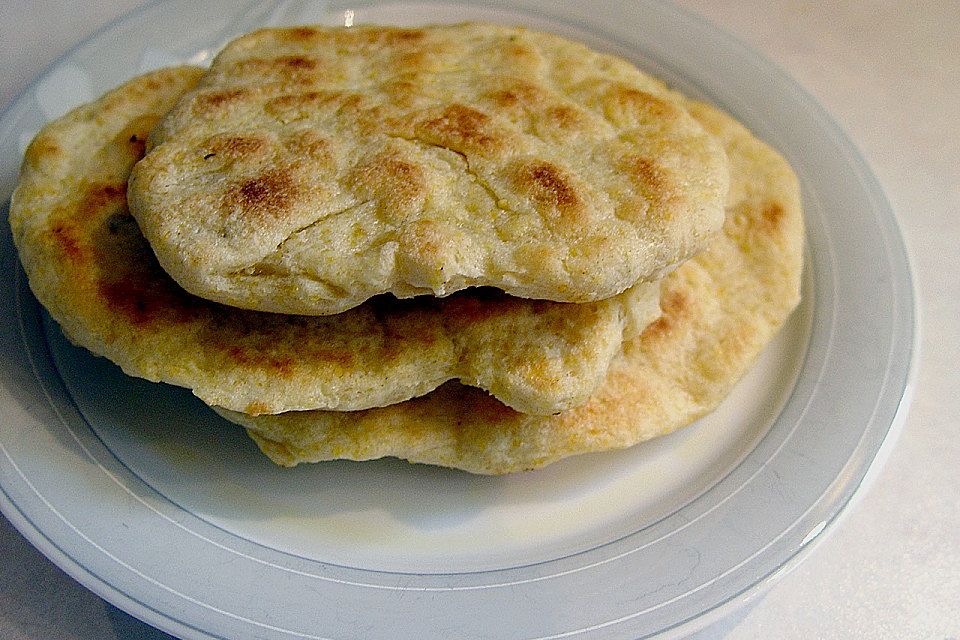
889	73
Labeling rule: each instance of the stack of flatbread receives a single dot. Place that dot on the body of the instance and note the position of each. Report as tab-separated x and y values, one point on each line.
475	246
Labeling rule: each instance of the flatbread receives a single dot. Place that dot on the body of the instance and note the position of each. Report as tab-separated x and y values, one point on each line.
719	310
88	263
313	168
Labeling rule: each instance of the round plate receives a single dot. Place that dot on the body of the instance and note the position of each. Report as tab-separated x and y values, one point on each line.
153	502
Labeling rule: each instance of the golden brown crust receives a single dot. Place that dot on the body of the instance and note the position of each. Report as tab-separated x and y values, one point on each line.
446	157
90	266
719	310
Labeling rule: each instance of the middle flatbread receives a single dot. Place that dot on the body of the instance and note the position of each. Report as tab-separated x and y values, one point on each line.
90	266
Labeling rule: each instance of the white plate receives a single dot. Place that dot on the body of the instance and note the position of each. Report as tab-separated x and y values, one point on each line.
153	502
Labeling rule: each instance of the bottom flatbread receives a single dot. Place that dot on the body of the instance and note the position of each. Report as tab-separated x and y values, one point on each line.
719	310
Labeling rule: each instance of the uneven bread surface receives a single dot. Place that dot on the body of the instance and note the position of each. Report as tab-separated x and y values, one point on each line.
719	310
313	168
88	263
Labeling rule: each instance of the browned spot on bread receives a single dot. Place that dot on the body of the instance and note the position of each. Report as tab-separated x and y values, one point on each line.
310	144
519	53
42	149
402	87
405	321
660	327
403	92
421	58
628	106
342	357
65	238
409	35
363	116
215	103
542	371
389	177
101	195
505	98
299	106
647	172
424	240
291	68
772	215
517	97
145	297
307	99
235	147
301	33
463	129
550	185
297	62
156	84
270	194
254	359
349	40
675	307
676	304
652	181
353	104
392	37
550	188
565	117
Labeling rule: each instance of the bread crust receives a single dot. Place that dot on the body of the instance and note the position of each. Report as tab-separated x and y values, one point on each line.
313	168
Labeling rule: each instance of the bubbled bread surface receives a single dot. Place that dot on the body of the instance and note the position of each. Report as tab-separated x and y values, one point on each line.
312	168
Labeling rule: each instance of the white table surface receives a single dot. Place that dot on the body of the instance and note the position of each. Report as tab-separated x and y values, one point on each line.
890	75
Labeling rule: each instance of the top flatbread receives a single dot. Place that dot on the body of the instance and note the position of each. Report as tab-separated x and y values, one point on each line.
313	168
89	265
719	310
